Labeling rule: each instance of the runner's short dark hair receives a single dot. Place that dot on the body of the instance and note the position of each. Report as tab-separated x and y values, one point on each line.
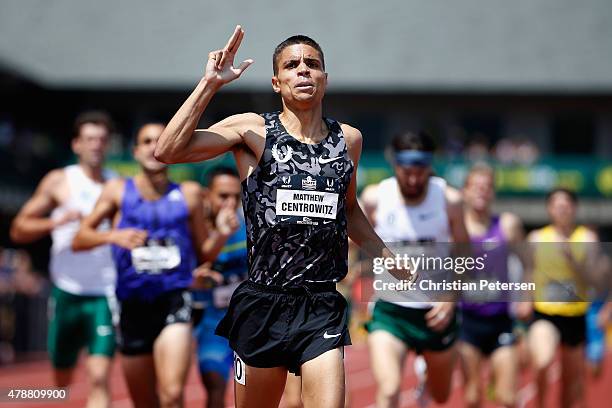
570	194
420	141
293	40
96	117
220	171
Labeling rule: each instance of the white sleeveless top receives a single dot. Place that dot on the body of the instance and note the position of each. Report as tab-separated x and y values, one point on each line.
86	272
398	222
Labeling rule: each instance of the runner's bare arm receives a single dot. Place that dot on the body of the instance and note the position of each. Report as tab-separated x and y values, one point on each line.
225	224
512	227
197	222
359	228
106	207
524	308
514	232
181	142
454	206
33	222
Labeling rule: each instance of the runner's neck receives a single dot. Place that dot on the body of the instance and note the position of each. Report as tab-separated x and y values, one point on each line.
91	172
152	185
306	126
565	231
477	221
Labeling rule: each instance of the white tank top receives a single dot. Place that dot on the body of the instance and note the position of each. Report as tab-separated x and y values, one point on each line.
398	222
87	272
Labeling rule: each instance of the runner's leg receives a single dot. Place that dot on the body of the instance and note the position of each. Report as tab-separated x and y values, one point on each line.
98	369
262	388
324	390
505	368
172	355
292	396
543	340
572	376
139	372
387	355
471	360
440	367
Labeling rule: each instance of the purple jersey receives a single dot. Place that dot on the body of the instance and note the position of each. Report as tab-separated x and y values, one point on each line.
493	244
167	259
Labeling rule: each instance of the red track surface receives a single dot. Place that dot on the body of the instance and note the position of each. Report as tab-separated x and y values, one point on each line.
359	378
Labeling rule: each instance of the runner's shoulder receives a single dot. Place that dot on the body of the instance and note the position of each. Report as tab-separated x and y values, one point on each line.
243	122
353	140
53	179
534	236
191	189
113	189
511	225
590	234
52	183
453	196
510	220
351	134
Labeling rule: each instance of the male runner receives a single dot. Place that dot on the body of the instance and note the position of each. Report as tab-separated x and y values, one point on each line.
486	326
158	231
299	181
79	311
226	248
560	300
416	207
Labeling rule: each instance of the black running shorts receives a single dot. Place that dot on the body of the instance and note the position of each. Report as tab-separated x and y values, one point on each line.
141	321
270	326
487	333
571	328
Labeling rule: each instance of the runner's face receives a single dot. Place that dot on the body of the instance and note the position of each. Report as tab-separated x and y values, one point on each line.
145	147
300	78
224	193
479	191
90	146
561	209
412	180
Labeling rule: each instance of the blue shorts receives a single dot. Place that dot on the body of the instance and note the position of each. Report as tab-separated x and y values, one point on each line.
595	336
214	352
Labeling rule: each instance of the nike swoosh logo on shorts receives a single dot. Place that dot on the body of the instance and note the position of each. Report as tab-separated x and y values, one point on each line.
324	160
330	336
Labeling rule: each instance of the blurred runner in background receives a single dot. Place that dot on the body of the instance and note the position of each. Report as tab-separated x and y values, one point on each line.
78	308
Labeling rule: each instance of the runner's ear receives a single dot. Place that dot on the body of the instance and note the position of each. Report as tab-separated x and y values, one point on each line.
275	85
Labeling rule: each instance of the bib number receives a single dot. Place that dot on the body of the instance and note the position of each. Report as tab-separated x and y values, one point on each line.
239	370
155	257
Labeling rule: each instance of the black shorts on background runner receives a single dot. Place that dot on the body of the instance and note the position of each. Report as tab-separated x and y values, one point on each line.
269	326
571	328
141	321
487	333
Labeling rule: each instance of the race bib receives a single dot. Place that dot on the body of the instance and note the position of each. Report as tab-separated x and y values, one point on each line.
239	370
307	199
223	294
156	257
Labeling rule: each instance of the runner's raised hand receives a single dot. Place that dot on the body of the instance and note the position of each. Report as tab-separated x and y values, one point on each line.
220	67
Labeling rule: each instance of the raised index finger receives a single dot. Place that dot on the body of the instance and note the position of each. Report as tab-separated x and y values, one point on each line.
234	39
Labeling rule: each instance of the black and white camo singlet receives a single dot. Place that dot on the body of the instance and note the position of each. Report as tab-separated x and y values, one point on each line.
295	208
